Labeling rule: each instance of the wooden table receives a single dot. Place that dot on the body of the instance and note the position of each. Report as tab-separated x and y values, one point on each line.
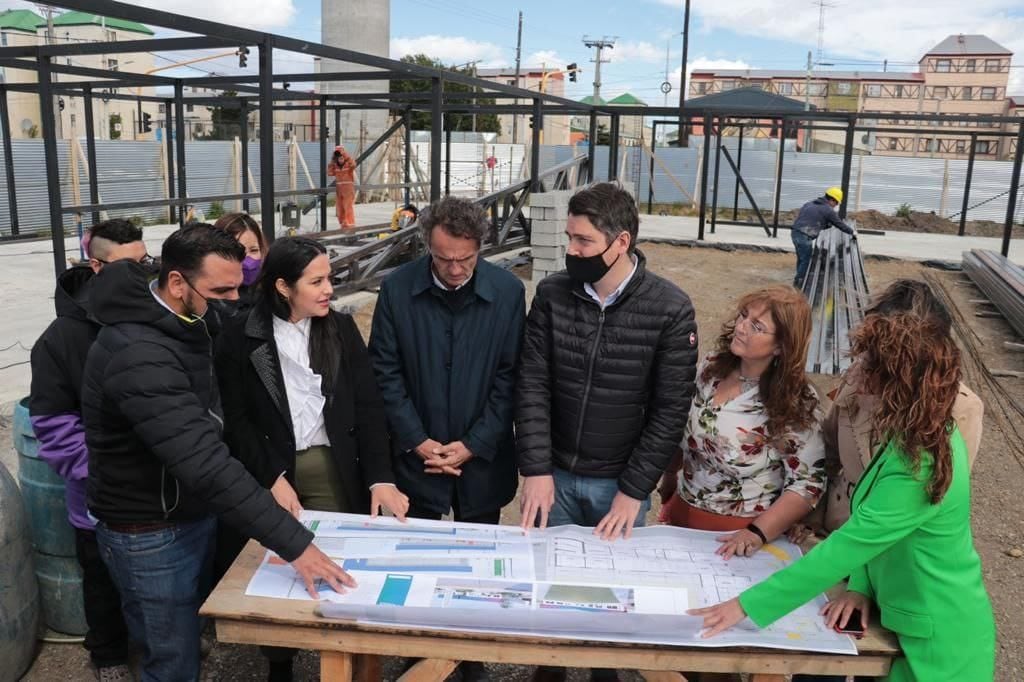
350	651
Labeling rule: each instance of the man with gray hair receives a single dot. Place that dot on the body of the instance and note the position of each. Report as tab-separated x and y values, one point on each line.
447	332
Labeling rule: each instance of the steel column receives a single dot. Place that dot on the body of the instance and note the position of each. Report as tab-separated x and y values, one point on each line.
718	164
447	156
323	163
739	168
1011	201
705	160
592	147
613	150
407	162
967	186
778	177
5	129
847	165
179	139
436	124
337	126
90	155
267	139
538	126
650	171
244	170
169	142
52	169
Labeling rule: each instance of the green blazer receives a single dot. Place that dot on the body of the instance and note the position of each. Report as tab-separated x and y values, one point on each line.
914	559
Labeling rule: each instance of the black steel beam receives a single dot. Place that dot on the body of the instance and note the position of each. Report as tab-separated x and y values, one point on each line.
90	155
778	178
203	42
379	141
746	190
169	141
613	150
323	162
705	160
298	78
407	161
650	171
266	61
108	77
538	126
337	127
436	118
447	156
244	134
967	186
592	147
46	115
739	168
1011	201
847	165
5	130
718	165
179	139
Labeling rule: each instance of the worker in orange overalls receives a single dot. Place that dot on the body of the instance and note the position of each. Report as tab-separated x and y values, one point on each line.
343	169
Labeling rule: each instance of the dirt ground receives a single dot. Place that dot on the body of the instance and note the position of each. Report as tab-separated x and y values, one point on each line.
714	279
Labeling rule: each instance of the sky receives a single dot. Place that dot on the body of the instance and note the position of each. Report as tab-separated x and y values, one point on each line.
770	34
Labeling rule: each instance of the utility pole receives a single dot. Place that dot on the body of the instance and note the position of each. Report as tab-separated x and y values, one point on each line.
519	50
682	71
807	102
58	115
598	46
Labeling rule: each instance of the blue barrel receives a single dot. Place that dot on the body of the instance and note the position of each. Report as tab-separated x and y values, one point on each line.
19	592
56	565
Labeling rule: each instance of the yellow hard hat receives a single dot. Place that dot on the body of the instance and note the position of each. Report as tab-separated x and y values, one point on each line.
835	193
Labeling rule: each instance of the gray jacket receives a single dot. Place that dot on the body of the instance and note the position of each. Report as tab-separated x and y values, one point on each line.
816	216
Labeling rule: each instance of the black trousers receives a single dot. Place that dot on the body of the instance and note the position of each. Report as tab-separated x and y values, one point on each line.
418	512
107	640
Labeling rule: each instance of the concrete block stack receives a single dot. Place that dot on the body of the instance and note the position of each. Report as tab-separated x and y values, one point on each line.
548	214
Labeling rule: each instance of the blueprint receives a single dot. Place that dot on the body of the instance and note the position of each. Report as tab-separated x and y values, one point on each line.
561	582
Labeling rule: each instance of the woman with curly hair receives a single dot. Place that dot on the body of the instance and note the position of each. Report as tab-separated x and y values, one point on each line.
752	457
907	547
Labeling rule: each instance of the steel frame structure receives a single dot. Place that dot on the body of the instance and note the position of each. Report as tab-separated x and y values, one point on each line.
257	92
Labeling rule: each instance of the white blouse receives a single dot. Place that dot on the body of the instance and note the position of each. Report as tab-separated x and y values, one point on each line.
305	397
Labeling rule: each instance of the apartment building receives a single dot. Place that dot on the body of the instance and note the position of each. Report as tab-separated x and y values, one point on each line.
551	81
964	75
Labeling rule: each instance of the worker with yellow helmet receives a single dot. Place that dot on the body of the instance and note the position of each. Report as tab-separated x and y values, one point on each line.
814	217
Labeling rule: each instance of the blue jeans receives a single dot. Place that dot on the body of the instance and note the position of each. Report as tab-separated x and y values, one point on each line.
584	500
163	577
804	245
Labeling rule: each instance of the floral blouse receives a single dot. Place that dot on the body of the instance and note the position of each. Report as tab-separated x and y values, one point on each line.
729	465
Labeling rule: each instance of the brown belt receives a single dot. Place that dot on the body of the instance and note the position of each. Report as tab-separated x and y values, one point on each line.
140	527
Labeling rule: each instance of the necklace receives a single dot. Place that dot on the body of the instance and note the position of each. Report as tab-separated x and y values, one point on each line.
748	382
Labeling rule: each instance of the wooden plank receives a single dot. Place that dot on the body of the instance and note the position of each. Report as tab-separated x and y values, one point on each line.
767	678
367	668
429	670
335	666
661	676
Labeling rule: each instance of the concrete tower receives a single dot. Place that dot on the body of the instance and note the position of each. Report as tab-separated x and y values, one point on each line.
362	26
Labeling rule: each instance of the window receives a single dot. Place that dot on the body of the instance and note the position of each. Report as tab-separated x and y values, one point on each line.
111	36
942	65
993	66
816	89
892	144
961	146
940	92
970	66
966	93
162	109
874	90
785	89
72	121
988	93
842	88
728	85
111	64
3	38
512	82
700	88
898	91
981	147
189	108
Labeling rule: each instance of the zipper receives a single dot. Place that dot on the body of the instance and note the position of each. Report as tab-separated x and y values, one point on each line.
591	359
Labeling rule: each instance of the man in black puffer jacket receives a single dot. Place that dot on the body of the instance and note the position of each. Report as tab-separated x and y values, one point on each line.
158	467
607	375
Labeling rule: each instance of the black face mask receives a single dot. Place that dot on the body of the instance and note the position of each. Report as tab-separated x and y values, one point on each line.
588	269
218	311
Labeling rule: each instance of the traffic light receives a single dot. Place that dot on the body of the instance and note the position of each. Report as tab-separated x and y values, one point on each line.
243	55
147	122
571	68
60	103
531	123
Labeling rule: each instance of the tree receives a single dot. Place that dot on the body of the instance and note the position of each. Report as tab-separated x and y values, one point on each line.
226	118
603	136
485	123
115	126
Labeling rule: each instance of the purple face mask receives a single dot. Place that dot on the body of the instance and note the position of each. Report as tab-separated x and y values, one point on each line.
250	270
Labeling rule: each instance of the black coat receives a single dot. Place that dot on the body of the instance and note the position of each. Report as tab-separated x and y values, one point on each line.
449	373
257	421
606	393
153	421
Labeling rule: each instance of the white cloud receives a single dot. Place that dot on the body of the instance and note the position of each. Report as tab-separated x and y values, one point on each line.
631	51
265	15
702	64
549	58
870	29
449	49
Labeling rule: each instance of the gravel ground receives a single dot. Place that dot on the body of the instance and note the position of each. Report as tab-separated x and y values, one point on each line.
714	279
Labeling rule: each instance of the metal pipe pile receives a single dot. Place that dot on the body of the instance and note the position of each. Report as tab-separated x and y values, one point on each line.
837	290
1001	281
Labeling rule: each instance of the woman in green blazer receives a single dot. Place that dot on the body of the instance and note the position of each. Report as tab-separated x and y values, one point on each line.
907	546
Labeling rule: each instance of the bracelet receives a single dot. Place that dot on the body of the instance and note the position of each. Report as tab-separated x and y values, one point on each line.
752	527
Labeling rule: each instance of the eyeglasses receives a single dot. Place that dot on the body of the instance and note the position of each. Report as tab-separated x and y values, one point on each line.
145	260
756	326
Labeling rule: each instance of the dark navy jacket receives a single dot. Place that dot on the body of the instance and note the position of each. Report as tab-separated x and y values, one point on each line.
816	216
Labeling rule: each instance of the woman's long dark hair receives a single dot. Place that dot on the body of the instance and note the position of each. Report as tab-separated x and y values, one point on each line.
287	259
907	357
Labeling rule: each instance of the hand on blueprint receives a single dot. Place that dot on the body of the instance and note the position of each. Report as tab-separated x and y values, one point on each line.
538	497
389	497
448	459
741	543
838	611
719	617
313	565
798	532
620	518
285	496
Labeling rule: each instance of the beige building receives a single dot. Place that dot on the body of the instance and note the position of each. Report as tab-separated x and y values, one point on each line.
962	75
551	81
